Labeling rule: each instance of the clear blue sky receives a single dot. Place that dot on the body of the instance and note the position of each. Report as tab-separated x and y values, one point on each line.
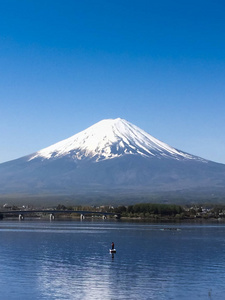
65	65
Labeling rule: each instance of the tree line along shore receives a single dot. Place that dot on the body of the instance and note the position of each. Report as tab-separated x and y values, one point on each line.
171	211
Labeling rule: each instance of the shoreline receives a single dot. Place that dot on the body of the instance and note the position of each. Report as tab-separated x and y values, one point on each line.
124	219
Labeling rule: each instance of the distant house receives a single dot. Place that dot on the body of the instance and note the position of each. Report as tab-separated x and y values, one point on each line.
7	206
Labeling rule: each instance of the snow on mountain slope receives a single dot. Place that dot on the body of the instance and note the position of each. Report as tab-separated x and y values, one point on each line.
111	138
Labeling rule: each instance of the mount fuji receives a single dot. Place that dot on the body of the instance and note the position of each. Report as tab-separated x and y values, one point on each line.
114	159
110	139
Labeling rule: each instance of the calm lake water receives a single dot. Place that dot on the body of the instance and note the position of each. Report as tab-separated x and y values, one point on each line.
71	260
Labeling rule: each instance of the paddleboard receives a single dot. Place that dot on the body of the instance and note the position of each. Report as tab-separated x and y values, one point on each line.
112	250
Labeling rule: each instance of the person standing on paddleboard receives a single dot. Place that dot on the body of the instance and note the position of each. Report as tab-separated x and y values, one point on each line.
112	245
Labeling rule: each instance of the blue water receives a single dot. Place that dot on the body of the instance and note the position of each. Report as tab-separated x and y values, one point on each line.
71	260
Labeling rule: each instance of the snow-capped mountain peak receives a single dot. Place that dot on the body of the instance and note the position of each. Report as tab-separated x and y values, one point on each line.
108	139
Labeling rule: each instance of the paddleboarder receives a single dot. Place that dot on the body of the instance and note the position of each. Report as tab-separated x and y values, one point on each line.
112	246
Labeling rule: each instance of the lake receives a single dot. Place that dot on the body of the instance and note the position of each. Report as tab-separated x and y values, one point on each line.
71	260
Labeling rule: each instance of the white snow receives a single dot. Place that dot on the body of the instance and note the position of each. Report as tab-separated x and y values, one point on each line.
108	139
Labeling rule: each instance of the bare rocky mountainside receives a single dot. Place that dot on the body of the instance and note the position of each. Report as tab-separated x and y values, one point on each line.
114	159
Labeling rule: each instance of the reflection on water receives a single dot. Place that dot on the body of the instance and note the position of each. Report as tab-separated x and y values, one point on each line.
71	260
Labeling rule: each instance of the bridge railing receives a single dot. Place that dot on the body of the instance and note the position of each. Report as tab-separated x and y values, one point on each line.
52	213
